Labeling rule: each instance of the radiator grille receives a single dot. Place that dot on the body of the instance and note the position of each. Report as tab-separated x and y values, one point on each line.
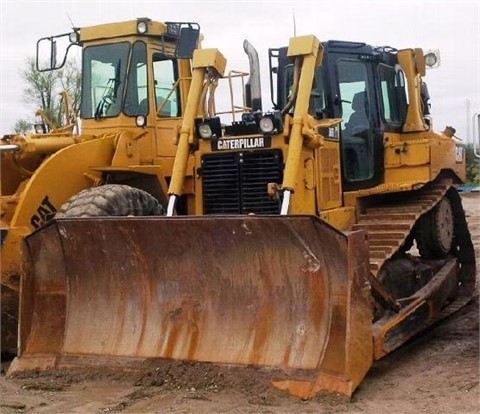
236	183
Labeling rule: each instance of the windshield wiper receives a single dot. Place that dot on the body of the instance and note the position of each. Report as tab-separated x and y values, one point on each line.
110	94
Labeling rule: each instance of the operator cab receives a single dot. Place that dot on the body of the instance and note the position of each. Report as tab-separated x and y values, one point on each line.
129	68
362	85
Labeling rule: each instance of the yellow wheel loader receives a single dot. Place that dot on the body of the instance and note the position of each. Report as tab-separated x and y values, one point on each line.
135	80
307	241
20	156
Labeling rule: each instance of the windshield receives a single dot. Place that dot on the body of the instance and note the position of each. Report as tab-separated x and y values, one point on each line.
104	71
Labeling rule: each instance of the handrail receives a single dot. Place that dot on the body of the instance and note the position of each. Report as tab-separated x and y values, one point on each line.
235	109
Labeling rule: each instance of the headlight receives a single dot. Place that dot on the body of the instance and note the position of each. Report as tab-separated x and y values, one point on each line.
142	26
141	120
74	37
432	59
208	128
266	125
205	131
270	122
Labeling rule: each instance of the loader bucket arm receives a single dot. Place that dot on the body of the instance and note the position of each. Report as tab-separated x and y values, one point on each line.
286	294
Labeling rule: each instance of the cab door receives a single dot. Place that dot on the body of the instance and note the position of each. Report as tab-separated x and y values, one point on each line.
352	81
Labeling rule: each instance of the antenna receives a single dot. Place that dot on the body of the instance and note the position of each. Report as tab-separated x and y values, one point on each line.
294	24
71	22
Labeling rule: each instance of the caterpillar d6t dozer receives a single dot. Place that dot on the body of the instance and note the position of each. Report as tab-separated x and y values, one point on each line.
307	241
135	81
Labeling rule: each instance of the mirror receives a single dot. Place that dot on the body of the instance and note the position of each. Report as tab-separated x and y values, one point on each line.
52	52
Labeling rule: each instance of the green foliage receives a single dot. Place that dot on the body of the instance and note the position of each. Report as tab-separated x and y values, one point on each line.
473	166
22	127
42	89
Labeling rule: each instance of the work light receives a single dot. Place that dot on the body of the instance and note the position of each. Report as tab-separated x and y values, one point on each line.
141	121
142	26
74	37
208	128
266	125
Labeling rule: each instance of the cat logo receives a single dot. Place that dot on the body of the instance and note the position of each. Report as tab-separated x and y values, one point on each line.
241	143
45	212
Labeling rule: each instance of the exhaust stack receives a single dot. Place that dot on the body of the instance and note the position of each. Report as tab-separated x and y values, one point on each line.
254	89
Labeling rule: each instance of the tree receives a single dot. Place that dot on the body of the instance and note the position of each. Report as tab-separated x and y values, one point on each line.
473	166
22	127
43	90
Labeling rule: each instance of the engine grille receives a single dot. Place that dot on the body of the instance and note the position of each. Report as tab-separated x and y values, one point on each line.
236	182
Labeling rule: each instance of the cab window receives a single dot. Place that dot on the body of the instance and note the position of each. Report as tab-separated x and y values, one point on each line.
393	94
104	72
166	89
136	99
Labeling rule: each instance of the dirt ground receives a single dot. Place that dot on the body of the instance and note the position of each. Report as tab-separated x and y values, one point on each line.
436	373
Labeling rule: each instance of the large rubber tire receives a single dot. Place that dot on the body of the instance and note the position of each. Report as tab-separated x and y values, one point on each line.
435	231
111	200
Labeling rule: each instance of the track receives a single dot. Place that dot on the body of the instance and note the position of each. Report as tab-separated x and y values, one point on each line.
389	222
388	225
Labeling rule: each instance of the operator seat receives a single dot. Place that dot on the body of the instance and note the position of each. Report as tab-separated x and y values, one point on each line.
358	120
143	107
355	139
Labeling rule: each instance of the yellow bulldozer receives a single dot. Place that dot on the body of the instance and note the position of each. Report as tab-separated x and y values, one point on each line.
136	76
308	241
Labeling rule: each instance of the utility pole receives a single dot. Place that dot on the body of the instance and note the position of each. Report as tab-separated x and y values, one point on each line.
467	107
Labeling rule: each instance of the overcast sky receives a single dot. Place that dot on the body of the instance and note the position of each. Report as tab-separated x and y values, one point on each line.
451	26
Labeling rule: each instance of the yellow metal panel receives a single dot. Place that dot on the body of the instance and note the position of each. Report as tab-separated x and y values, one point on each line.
450	154
392	158
341	218
417	154
420	174
110	30
204	58
166	132
303	45
156	28
407	153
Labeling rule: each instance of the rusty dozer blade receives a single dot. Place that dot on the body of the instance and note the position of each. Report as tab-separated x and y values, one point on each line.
285	294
